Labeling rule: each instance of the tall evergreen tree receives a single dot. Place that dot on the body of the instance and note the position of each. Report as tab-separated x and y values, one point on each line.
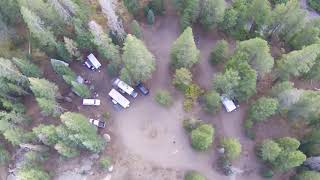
212	12
184	52
139	63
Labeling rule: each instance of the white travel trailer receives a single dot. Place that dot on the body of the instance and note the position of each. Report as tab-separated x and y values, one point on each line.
124	87
92	62
228	104
117	98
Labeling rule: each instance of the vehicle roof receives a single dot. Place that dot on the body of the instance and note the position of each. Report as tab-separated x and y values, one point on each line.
94	61
91	101
124	102
228	104
124	86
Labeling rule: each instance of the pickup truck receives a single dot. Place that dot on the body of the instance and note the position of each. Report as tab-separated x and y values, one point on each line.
98	123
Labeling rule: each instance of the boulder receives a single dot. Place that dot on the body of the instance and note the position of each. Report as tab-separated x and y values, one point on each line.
107	137
110	168
108	177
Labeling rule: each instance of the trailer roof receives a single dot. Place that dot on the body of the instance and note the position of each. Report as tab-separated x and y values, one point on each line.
124	86
124	102
94	61
228	104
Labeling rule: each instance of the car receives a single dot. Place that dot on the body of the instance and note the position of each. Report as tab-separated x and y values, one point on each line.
91	102
143	89
98	123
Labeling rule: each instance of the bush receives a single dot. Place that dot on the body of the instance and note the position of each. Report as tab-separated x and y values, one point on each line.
267	173
232	148
157	6
4	155
211	102
187	104
163	97
106	115
202	137
31	172
219	53
314	4
193	175
182	79
190	124
263	108
80	89
135	29
150	17
105	162
66	150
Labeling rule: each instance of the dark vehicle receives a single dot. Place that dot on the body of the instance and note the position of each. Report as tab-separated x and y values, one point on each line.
236	102
142	89
98	123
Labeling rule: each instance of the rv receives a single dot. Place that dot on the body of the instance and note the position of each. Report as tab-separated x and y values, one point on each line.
124	87
91	102
92	62
117	98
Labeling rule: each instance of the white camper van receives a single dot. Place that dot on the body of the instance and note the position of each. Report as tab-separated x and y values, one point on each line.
92	62
124	87
117	98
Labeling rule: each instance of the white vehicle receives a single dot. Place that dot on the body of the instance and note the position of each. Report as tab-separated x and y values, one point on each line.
91	102
124	87
92	62
228	104
119	99
98	123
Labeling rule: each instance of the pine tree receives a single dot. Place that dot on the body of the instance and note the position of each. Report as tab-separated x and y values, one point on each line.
72	48
212	12
184	52
27	68
139	63
38	31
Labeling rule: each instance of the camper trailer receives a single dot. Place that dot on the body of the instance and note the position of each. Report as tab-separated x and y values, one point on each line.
124	87
117	98
92	62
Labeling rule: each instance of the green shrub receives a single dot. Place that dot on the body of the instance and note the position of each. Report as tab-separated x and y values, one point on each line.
211	102
105	162
4	155
106	115
219	53
182	79
136	30
202	137
163	97
190	124
66	150
80	89
232	148
32	173
193	175
314	4
267	173
150	17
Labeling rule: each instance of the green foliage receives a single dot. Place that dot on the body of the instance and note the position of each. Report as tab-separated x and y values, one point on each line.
257	53
182	79
105	162
281	87
44	36
4	155
260	13
10	11
66	151
270	150
72	48
150	17
80	89
202	137
139	63
211	102
189	10
17	135
83	38
313	72
287	19
49	107
193	175
275	2
263	108
227	83
164	98
32	172
104	43
311	143
191	123
220	52
133	6
236	18
62	68
43	88
184	52
232	148
314	4
191	94
282	153
297	63
78	131
308	175
212	13
157	6
135	29
247	84
27	68
46	133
